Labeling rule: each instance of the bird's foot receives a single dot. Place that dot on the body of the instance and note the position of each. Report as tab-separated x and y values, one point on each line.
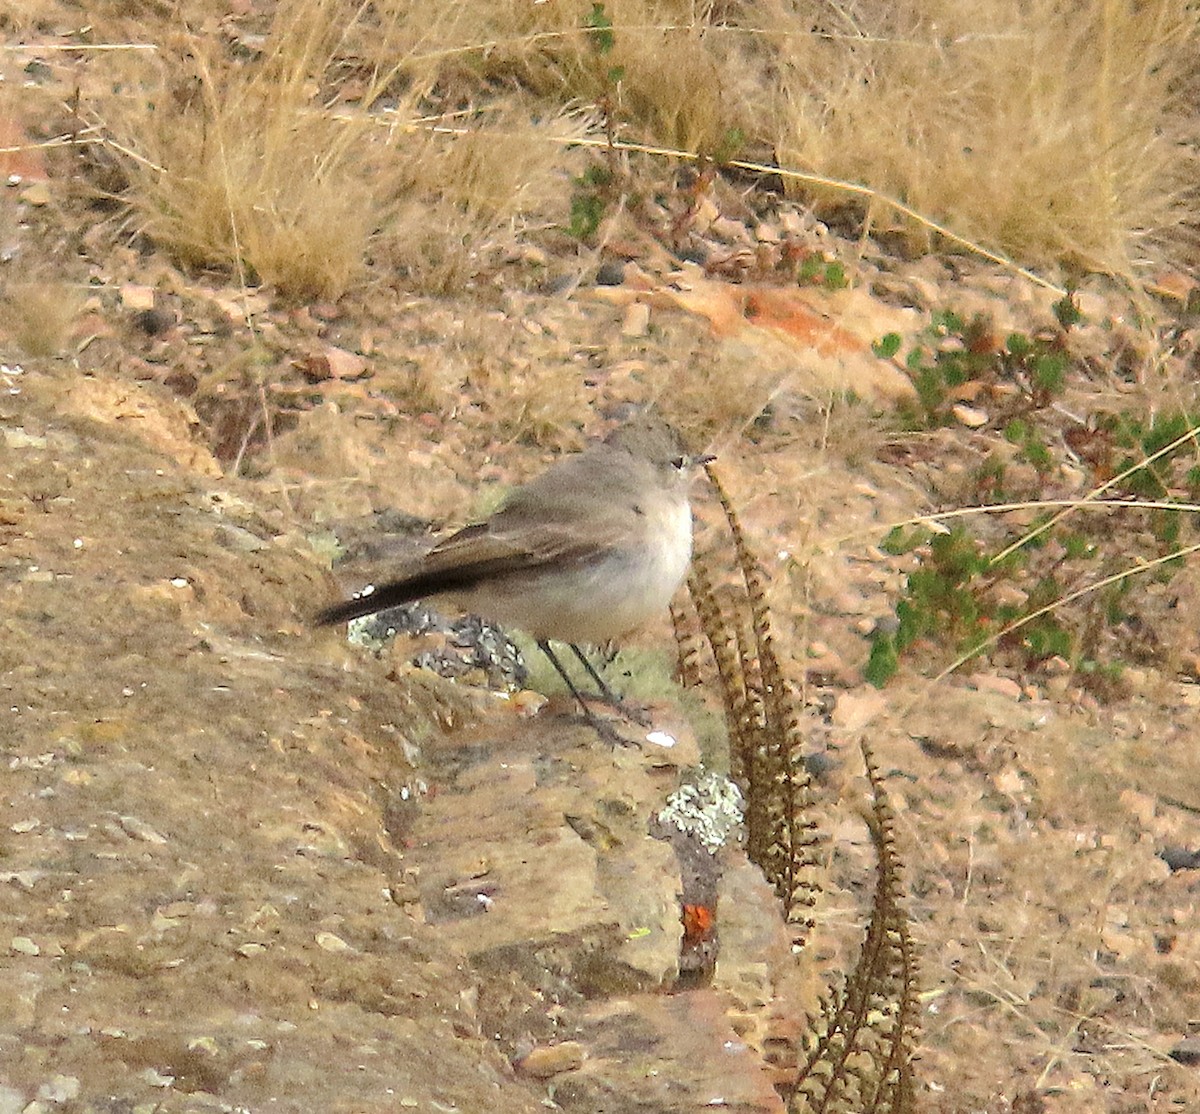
605	729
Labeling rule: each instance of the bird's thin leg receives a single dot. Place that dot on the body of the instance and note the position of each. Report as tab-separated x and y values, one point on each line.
604	730
544	646
635	715
606	693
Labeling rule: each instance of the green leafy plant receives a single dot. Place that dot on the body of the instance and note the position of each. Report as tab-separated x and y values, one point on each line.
1024	600
815	270
603	40
597	21
954	358
1032	443
729	146
951	597
980	590
887	345
593	189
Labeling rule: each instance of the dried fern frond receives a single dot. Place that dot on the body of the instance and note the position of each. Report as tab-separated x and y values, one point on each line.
689	648
859	1050
762	715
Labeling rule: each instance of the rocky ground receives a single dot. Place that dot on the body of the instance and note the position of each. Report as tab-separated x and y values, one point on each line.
245	870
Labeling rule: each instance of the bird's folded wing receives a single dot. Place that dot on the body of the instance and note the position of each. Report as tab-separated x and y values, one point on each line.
505	546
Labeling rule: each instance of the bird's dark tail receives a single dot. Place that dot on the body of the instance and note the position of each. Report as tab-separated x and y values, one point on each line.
398	592
390	595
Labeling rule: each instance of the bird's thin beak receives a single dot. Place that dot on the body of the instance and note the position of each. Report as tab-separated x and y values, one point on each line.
703	458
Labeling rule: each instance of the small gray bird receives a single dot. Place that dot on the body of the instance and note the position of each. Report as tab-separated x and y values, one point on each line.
585	553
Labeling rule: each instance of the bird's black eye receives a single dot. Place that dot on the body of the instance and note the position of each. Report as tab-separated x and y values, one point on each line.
679	462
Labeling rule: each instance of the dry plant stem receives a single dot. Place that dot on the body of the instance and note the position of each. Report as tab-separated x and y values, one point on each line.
804	640
773	684
891	892
1004	508
245	444
875	1014
755	756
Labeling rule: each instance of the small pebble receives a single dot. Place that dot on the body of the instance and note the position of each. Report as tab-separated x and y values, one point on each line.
542	1063
969	416
37	194
60	1088
637	320
611	273
332	943
1187	1051
139	829
989	682
153	321
1180	858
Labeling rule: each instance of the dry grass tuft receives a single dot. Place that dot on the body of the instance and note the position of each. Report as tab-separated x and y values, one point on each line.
38	316
664	67
400	133
466	193
969	114
254	166
234	165
965	113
